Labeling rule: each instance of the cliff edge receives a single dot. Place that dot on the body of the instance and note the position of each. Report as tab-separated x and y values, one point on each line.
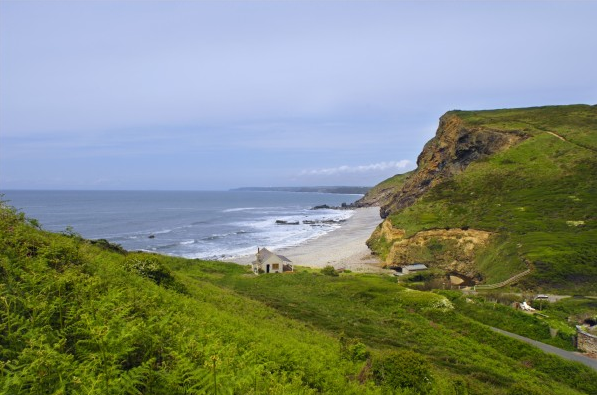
453	148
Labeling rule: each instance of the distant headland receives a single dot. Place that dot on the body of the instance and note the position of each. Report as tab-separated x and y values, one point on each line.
333	189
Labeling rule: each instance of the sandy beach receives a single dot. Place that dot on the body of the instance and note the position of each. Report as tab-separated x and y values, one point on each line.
342	248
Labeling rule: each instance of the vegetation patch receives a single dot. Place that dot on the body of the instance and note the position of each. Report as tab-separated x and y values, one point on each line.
404	369
423	301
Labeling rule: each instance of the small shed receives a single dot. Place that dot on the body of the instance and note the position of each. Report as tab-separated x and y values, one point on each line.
268	262
417	267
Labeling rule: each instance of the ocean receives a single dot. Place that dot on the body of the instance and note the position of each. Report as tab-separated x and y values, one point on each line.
219	225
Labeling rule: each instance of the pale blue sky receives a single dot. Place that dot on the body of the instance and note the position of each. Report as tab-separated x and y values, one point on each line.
215	95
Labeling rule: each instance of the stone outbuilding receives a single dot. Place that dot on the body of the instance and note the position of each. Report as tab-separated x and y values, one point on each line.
417	267
268	262
586	340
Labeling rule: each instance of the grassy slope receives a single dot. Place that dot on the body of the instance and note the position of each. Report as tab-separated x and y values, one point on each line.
385	188
527	194
74	320
79	318
387	317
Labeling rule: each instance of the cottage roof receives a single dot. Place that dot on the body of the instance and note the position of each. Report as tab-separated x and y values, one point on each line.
264	254
416	266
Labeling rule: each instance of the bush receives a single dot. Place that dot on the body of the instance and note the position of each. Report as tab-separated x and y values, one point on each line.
108	246
151	268
329	271
403	369
60	254
353	349
525	389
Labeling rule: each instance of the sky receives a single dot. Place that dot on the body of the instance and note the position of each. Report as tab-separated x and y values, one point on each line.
200	95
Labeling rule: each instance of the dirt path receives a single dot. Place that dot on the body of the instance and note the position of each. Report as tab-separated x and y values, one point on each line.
572	356
558	136
568	141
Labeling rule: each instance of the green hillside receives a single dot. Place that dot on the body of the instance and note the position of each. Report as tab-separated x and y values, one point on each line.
82	317
382	192
539	198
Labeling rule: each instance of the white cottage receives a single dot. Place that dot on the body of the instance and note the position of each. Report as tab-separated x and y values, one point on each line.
268	262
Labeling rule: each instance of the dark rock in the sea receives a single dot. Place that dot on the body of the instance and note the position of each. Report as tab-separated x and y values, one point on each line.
281	222
333	221
323	221
344	206
151	236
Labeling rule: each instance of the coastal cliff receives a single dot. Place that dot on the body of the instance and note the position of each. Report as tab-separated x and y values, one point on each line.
454	147
497	192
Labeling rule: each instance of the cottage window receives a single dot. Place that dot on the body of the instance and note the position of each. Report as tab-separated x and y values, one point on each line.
276	266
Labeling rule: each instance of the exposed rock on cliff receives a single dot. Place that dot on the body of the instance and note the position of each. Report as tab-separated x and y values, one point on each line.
453	148
449	250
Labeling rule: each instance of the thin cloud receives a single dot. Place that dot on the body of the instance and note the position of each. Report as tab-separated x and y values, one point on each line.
374	167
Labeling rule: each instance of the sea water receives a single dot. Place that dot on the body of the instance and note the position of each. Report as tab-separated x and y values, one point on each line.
193	224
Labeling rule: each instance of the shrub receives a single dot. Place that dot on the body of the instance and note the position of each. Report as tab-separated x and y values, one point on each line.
108	246
424	301
329	271
151	268
353	349
402	369
60	254
525	389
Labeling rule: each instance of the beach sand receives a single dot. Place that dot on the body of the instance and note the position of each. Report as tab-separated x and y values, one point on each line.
342	248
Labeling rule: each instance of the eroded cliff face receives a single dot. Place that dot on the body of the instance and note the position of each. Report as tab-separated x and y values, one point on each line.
453	148
449	250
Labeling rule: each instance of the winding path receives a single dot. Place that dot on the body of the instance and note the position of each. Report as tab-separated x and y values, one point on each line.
568	141
572	356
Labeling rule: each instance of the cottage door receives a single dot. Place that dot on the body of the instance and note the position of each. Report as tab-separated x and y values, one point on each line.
267	268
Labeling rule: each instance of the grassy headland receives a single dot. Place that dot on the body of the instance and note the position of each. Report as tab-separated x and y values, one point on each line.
382	192
86	317
537	198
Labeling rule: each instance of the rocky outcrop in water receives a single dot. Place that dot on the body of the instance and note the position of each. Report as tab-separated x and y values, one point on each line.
282	222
